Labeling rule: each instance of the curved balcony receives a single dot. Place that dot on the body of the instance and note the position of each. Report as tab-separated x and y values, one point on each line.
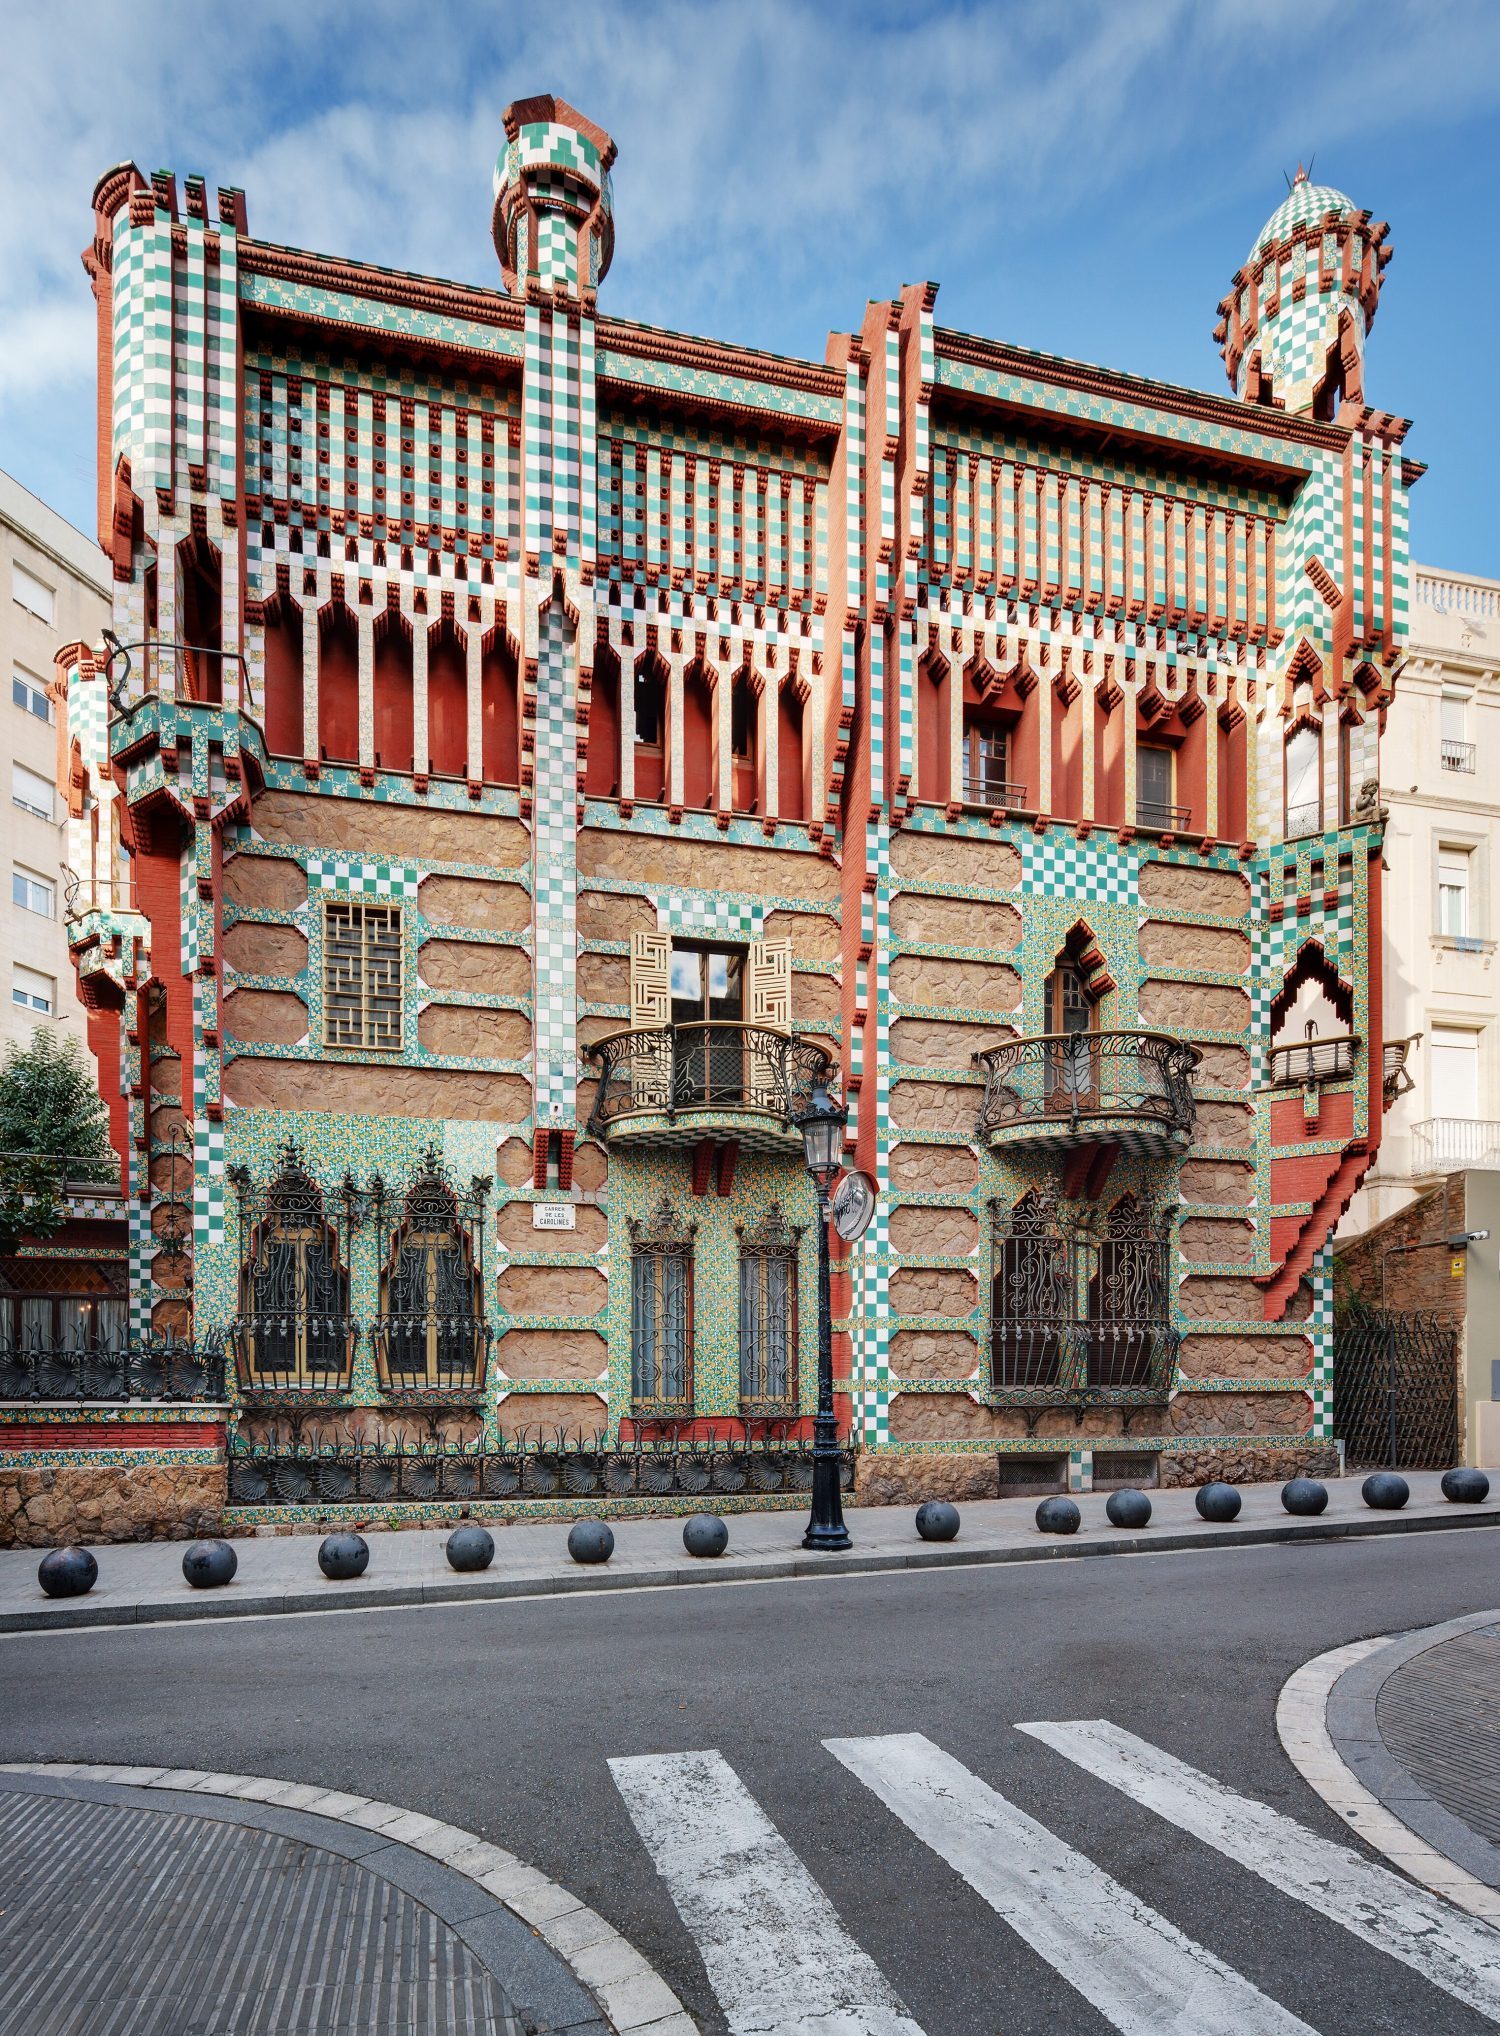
1066	1089
676	1084
1050	1361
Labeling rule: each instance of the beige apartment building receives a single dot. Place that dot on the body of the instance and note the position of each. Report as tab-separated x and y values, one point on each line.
1440	759
54	589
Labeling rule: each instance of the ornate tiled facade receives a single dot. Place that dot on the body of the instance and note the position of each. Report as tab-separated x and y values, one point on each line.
915	691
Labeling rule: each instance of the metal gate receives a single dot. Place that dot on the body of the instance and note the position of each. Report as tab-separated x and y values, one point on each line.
1395	1389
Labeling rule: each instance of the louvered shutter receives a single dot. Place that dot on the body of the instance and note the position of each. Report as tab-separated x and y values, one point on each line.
651	1012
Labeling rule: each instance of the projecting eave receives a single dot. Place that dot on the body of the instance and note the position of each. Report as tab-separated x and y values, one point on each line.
1100	405
647	364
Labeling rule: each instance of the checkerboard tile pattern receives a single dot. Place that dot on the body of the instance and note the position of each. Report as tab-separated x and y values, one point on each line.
361	878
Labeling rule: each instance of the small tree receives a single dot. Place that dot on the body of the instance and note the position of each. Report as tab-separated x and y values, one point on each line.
53	1124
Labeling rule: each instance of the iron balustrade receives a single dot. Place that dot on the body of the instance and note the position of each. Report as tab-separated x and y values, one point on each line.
1328	1059
985	788
1157	817
1458	756
1449	1144
200	672
418	1355
1049	1360
1058	1079
152	1369
294	1350
713	1064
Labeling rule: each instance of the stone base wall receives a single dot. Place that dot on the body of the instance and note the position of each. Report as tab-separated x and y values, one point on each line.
99	1503
1250	1466
907	1480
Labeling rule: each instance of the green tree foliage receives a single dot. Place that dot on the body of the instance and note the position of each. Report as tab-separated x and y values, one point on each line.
53	1129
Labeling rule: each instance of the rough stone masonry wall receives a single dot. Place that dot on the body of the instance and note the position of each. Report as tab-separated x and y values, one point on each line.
92	1503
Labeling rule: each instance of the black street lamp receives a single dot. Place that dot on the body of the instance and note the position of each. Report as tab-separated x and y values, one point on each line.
822	1127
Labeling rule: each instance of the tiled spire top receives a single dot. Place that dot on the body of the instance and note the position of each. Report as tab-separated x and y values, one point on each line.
1303	204
553	221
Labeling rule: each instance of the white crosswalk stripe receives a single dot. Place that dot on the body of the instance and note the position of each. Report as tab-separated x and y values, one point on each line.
1140	1971
1455	1951
779	1959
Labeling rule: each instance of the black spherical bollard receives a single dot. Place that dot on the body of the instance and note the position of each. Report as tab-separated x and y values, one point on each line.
705	1534
1386	1492
1128	1509
590	1541
1466	1487
470	1547
67	1572
1304	1495
1057	1516
1218	1502
343	1556
937	1520
209	1565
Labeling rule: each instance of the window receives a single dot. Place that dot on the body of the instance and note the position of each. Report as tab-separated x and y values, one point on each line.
31	791
1455	1072
661	1313
1129	1291
30	990
1032	1297
1304	787
30	593
650	708
432	1330
31	695
362	975
768	1315
33	893
742	721
987	766
708	1045
43	1322
1154	788
1453	892
294	1333
1457	750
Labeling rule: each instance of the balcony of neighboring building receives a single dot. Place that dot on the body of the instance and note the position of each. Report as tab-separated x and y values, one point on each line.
1450	1145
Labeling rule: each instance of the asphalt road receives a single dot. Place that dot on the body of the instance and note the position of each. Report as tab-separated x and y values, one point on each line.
503	1718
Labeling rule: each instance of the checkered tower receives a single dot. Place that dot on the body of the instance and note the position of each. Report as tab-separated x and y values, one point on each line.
1292	329
553	221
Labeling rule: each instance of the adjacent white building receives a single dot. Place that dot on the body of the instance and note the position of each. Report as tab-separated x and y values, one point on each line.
1441	763
54	589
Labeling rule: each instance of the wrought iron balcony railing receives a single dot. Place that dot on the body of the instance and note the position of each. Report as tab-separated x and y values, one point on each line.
1329	1059
419	1355
157	1369
1051	1361
1157	817
1447	1145
292	1350
1064	1087
653	1076
993	788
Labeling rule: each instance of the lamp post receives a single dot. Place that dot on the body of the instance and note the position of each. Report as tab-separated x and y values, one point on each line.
822	1128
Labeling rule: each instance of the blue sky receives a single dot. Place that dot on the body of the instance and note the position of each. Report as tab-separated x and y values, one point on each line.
1081	176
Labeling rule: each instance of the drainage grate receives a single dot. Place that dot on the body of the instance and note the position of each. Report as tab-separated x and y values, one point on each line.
1025	1477
1134	1470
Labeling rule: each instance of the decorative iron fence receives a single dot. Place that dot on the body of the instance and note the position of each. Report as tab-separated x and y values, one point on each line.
713	1065
154	1369
1395	1388
1073	1077
551	1464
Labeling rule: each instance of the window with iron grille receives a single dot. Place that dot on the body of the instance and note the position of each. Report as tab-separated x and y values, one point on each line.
661	1313
1033	1298
432	1331
768	1314
362	974
295	1331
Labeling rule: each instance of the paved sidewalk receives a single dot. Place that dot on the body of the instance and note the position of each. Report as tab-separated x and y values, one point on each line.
178	1901
139	1582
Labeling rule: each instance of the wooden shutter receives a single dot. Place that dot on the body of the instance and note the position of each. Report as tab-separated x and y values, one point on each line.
768	985
651	1011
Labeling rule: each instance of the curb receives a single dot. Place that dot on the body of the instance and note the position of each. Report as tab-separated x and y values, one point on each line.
619	1990
1327	1707
228	1603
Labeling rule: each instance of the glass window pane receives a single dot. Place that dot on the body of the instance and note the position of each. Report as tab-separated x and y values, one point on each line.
687	976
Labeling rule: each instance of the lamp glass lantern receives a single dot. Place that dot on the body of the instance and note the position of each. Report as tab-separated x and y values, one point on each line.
822	1127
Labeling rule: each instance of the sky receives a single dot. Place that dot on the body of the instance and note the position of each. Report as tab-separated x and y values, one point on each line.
1080	176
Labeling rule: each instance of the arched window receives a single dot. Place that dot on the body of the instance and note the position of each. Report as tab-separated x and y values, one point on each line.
744	745
294	1333
650	714
661	1313
1032	1299
200	620
1304	780
768	1314
1129	1297
432	1333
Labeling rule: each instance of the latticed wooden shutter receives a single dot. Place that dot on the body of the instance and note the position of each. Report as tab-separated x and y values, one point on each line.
768	985
650	1012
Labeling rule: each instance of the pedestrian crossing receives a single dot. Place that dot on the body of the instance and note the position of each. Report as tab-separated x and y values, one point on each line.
782	1962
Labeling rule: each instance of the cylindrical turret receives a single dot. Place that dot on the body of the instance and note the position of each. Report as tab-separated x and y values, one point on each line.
553	221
